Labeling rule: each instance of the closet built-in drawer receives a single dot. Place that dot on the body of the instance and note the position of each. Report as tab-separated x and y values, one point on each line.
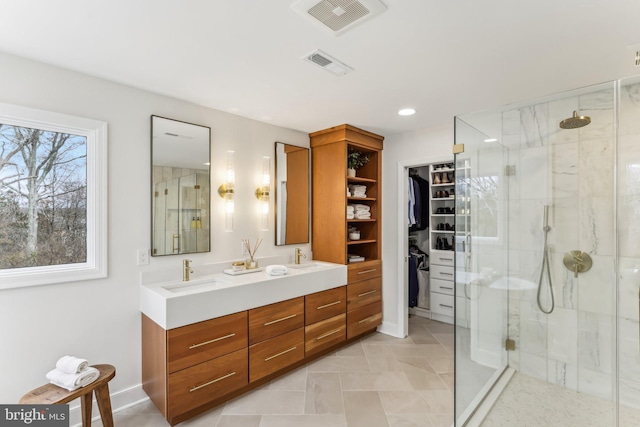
275	354
325	334
199	342
364	271
205	382
324	305
441	286
442	304
442	258
364	319
275	319
363	293
441	272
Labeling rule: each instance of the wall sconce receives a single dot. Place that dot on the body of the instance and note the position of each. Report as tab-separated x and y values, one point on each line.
226	191
262	193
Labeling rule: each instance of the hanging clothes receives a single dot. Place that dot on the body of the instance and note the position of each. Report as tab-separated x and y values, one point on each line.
419	200
413	282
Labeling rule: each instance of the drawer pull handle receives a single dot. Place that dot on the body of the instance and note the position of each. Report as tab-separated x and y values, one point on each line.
279	354
328	334
367	271
445	259
367	293
446	274
213	340
328	305
444	287
368	319
211	382
280	320
444	305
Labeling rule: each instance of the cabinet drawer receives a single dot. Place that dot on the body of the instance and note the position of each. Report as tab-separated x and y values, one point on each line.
364	271
325	304
202	383
325	334
277	353
364	319
441	258
441	272
441	286
275	319
199	342
362	293
442	304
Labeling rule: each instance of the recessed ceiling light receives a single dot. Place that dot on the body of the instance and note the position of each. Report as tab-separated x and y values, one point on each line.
491	140
407	112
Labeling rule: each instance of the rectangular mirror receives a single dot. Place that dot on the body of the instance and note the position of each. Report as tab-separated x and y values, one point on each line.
292	194
180	187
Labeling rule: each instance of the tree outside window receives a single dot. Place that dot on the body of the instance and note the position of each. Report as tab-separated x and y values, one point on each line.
43	197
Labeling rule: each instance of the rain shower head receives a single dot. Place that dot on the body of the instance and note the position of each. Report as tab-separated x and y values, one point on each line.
575	122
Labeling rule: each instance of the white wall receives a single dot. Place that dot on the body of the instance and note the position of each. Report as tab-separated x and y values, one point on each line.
412	148
99	320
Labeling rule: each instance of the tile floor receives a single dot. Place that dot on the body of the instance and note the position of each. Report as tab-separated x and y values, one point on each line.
374	382
529	402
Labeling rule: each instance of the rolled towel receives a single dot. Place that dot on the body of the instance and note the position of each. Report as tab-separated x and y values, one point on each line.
362	215
276	270
350	208
350	215
362	208
73	381
71	364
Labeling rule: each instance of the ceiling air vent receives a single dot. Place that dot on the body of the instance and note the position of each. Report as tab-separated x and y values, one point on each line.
328	63
338	16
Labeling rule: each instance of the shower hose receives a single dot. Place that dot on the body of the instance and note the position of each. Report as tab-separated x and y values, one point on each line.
545	263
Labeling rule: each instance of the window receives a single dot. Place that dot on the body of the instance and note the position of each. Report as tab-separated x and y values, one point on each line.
53	192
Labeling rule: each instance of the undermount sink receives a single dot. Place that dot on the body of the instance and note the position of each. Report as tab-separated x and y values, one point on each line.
186	286
310	266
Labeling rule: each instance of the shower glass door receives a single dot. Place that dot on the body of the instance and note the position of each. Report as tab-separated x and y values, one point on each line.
480	267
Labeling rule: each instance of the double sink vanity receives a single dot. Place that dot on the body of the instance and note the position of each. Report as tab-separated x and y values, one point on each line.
216	336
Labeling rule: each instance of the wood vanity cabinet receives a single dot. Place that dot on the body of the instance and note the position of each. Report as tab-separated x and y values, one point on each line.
276	335
325	315
187	367
330	237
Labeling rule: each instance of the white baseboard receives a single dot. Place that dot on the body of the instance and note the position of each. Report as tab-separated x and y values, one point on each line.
390	329
120	400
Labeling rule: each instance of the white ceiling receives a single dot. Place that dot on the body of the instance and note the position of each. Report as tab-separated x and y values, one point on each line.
444	58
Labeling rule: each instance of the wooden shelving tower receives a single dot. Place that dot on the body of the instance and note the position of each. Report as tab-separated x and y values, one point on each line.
329	150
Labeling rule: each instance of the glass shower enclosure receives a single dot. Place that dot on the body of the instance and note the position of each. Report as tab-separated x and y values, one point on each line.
548	261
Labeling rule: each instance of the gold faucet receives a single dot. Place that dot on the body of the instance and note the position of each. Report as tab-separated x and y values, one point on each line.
186	270
299	254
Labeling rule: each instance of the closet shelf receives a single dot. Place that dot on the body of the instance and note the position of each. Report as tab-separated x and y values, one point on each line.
361	220
443	198
443	231
448	184
442	170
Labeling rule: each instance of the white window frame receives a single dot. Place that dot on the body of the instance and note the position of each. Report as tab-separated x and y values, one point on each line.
95	266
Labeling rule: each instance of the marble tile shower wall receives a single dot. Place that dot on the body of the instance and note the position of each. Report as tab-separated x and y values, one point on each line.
629	244
572	171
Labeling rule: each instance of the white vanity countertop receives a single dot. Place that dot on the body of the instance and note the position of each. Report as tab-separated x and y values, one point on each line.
174	303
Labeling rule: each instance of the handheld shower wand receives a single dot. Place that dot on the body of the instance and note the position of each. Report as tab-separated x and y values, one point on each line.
545	262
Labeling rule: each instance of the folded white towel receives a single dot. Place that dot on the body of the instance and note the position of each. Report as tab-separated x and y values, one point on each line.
362	208
71	364
73	381
350	208
350	216
276	270
362	215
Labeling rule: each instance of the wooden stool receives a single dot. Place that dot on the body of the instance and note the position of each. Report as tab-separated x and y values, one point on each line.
51	394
